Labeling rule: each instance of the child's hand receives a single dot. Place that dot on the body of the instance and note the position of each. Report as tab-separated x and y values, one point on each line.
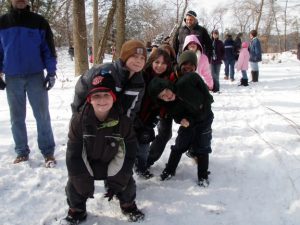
184	123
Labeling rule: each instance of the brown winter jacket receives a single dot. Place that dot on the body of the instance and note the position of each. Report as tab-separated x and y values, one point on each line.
100	151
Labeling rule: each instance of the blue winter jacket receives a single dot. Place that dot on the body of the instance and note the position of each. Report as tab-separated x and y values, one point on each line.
26	44
255	50
229	46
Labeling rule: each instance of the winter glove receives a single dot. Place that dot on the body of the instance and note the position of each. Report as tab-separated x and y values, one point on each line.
109	194
49	81
2	83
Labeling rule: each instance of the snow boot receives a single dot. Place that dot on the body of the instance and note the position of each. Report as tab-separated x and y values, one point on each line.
132	212
244	82
21	159
255	76
144	174
74	217
203	161
166	175
50	162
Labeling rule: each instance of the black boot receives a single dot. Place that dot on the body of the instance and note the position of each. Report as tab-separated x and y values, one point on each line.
244	82
74	217
132	212
255	76
203	161
172	164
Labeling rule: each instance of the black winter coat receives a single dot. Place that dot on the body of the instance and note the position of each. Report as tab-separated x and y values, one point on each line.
218	50
197	30
100	151
129	91
193	100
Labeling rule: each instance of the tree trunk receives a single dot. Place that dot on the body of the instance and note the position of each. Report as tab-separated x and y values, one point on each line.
103	41
80	37
95	26
120	24
259	14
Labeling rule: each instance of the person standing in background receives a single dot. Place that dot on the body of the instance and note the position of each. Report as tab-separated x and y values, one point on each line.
229	57
217	57
255	55
26	49
192	27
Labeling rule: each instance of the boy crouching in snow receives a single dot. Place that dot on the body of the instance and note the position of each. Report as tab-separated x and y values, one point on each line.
101	146
188	102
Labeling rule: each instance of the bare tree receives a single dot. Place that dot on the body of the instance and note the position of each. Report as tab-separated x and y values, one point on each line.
80	37
95	26
98	58
259	14
285	24
120	24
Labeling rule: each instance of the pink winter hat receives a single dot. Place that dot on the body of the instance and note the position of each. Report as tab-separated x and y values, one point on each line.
245	44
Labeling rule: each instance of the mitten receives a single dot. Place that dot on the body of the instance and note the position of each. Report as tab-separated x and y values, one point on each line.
109	194
49	81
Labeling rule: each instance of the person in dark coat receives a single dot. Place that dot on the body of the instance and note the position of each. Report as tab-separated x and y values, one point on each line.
229	57
188	102
255	55
192	27
101	146
127	73
238	44
217	58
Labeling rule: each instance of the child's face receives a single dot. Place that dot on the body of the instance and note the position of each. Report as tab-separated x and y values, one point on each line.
135	63
102	102
167	95
193	46
188	67
215	35
159	66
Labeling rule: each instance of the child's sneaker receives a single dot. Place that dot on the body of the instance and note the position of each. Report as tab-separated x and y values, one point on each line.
21	159
50	162
145	174
203	182
166	175
74	217
133	213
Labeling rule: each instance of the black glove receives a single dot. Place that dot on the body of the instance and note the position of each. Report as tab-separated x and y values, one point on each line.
145	135
109	194
2	83
49	81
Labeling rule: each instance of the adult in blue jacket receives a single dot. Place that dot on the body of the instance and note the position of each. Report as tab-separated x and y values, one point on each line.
26	49
255	55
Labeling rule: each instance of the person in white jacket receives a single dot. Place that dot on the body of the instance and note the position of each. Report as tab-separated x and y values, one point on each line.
242	63
192	43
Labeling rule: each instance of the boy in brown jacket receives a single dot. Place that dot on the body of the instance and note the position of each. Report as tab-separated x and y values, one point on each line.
101	146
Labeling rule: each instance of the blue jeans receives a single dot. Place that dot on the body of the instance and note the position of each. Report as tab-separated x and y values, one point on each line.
244	74
254	66
16	89
142	156
215	71
229	68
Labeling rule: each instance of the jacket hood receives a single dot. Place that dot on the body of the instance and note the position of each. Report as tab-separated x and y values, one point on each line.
191	38
245	44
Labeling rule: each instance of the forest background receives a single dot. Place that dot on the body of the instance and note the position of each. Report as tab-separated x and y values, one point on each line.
106	23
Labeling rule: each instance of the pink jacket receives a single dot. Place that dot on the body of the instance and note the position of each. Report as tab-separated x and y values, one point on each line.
243	60
203	68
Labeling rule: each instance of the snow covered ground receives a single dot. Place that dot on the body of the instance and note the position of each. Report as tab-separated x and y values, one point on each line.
255	162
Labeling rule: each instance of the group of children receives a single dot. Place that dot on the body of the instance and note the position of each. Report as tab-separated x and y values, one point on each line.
115	110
